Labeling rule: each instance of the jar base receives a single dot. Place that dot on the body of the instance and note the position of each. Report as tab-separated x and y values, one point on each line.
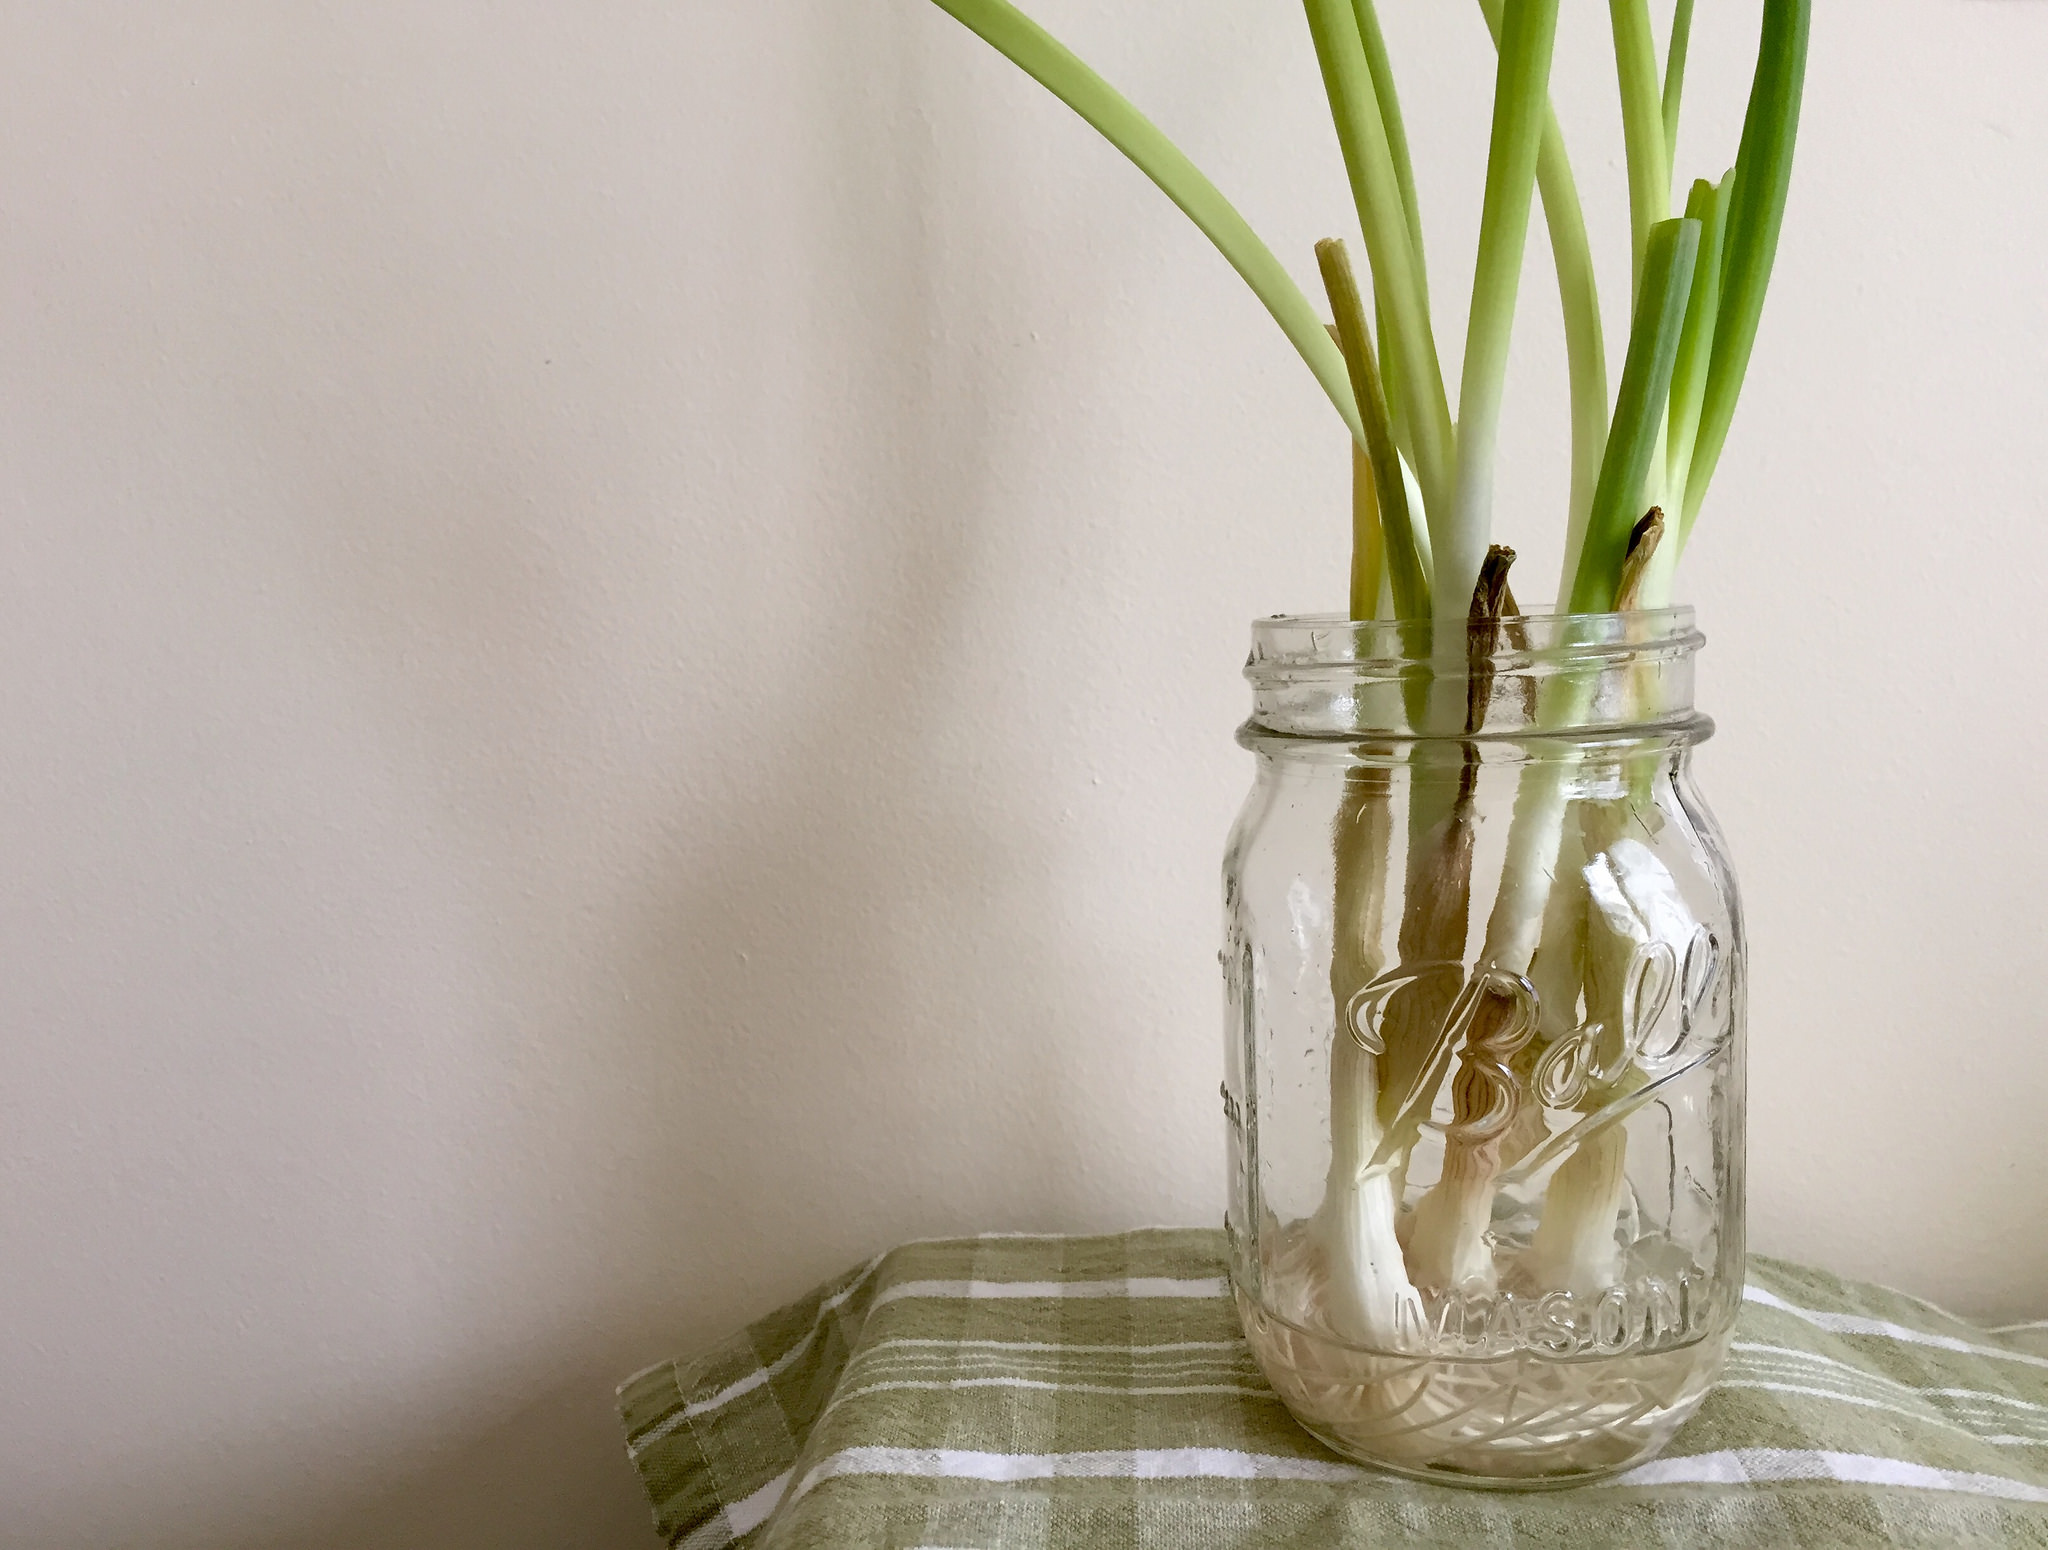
1517	1422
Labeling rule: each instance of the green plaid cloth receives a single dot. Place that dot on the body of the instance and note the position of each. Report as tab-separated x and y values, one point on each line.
1011	1393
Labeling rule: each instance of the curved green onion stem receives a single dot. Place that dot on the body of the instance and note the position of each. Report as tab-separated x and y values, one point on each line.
1368	537
1756	214
1674	72
1407	571
1049	62
1579	294
1521	105
1585	339
1708	204
1381	65
1390	379
1376	188
1642	124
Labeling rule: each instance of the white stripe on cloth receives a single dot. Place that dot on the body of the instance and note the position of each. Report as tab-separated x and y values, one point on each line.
749	1513
1134	1464
740	1518
1054	1345
711	1534
1085	1371
1014	1237
884	1351
888	1352
1775	1466
1785	1361
935	1385
1989	1399
1995	1439
1857	1324
1801	1367
759	1375
1131	1287
1743	1466
1795	1354
978	1291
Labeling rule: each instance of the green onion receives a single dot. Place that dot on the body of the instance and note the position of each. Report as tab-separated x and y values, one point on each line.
1708	205
1368	539
1376	189
1584	337
1579	294
1406	569
1642	124
1674	72
1763	176
1639	415
1573	900
1451	464
1521	106
1382	68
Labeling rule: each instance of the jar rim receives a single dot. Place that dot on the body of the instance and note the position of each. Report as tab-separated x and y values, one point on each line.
1286	645
1542	676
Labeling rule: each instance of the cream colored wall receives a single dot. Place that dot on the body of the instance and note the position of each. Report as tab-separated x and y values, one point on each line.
619	663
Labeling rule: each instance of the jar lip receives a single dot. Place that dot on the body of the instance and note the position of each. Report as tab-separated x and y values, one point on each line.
1288	643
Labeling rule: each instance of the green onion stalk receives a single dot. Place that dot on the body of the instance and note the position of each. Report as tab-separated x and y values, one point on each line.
1577	903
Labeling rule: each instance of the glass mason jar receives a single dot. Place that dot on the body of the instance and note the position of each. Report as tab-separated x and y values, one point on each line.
1484	969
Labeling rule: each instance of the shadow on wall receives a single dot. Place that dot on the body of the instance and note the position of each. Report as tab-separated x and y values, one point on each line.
822	943
784	951
549	1472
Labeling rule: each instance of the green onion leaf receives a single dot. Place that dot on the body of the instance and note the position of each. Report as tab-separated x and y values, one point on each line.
1674	73
1407	571
1521	104
1584	336
1756	214
1642	123
1376	187
1368	538
1381	64
1709	206
1639	414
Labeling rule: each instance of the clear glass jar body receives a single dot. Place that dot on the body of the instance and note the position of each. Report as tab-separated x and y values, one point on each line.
1484	1091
